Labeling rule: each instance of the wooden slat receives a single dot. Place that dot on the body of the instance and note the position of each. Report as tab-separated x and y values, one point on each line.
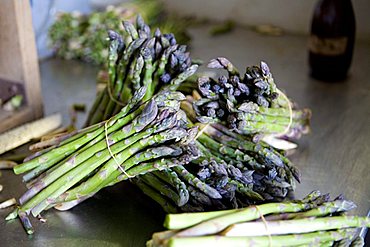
18	57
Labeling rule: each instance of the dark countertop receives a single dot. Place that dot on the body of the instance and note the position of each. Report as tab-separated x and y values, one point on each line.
334	158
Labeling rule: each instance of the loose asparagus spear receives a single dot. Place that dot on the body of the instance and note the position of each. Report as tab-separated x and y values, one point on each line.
313	239
323	209
228	217
303	225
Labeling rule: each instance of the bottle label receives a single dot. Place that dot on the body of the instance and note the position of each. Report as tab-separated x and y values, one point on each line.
328	46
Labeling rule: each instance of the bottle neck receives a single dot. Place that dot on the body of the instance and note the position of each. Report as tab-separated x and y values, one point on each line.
333	18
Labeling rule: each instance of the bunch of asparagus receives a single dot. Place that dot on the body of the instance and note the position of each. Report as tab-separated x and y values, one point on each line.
234	171
141	59
77	36
139	139
313	221
249	105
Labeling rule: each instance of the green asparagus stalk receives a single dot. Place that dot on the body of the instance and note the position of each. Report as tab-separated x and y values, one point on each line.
130	29
321	210
249	193
137	72
225	218
116	45
305	225
194	181
157	197
162	62
174	84
311	196
95	105
199	196
173	180
311	239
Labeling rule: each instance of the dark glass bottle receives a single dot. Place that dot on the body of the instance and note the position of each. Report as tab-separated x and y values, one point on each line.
332	39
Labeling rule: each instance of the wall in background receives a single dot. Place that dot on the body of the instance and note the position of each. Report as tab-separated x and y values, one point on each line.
291	15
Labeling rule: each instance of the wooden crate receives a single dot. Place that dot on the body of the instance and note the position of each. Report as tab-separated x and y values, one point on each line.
18	61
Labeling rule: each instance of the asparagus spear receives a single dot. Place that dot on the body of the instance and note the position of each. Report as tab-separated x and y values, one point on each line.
313	239
223	63
194	181
321	210
199	196
130	29
157	197
304	225
228	217
116	45
173	180
26	222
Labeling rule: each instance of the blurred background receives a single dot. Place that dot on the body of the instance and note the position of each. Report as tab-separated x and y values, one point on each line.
292	16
